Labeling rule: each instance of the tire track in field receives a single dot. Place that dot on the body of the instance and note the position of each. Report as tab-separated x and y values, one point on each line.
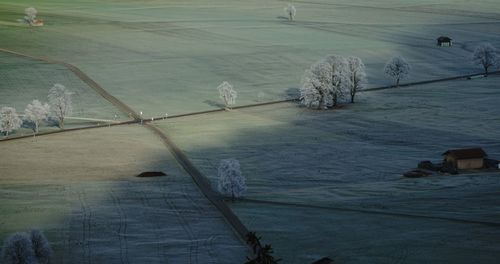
145	200
193	247
122	228
86	227
200	211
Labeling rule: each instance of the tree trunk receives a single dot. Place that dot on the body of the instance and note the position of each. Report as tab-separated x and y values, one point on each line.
61	122
397	82
36	127
353	93
486	71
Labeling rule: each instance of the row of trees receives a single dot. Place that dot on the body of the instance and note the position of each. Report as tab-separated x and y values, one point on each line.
336	78
59	106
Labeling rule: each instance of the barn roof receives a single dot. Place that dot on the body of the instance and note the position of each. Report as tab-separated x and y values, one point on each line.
444	39
471	153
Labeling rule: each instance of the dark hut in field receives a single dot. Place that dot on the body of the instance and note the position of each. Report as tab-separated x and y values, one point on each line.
444	41
465	159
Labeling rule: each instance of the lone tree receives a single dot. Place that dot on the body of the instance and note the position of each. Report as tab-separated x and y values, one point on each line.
325	82
227	94
36	112
261	254
397	68
30	15
9	120
23	248
486	56
290	11
357	76
231	182
60	102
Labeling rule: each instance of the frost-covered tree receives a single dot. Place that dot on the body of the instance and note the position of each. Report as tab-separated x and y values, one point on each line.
18	249
290	11
397	68
357	76
486	56
227	94
23	248
231	182
30	14
36	112
41	246
325	82
316	85
340	78
60	102
9	120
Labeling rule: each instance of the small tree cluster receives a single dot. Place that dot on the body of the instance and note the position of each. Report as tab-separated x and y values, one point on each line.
36	112
290	11
262	254
227	94
486	56
397	68
231	182
26	248
330	80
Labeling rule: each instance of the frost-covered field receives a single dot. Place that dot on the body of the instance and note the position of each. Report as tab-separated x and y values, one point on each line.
23	80
353	158
93	209
169	56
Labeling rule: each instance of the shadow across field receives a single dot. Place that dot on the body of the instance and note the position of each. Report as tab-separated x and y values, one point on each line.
351	161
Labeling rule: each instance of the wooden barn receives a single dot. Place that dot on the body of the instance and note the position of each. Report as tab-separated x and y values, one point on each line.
465	159
444	41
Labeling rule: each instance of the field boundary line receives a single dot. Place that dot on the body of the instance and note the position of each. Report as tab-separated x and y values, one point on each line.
86	79
366	211
203	184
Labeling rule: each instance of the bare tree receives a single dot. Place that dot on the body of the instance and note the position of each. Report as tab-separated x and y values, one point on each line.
227	94
290	11
60	102
486	56
357	76
397	68
231	182
36	112
9	120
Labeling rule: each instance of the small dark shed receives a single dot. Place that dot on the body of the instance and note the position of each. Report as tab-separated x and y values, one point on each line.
444	41
465	159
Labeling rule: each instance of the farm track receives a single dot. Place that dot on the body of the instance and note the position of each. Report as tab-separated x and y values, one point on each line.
378	212
203	183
